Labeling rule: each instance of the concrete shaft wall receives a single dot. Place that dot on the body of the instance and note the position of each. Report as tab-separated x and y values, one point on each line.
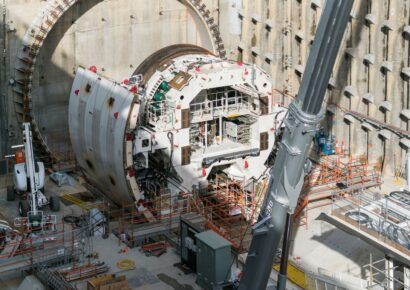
114	35
371	76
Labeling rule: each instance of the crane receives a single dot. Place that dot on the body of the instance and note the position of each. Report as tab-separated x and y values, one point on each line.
292	163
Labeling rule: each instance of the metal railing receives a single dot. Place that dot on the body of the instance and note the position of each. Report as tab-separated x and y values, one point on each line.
161	113
221	107
379	276
374	216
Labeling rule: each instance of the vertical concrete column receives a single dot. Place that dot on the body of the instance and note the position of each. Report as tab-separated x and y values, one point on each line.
258	24
246	8
303	28
358	138
358	76
377	80
389	270
287	32
373	144
275	45
394	90
265	35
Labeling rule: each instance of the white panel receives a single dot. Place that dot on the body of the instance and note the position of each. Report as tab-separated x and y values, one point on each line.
98	120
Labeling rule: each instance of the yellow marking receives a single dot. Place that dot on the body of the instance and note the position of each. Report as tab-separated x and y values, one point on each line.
295	274
232	116
126	264
76	201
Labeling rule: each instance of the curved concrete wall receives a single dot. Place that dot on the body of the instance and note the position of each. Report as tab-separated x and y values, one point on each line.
113	35
276	35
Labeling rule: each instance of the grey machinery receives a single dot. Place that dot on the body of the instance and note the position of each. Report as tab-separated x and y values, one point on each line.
291	163
213	259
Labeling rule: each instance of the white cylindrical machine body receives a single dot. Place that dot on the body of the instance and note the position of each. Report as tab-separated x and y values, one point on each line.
184	116
100	113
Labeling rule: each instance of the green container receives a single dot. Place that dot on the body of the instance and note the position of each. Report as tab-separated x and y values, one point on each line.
213	261
158	96
164	86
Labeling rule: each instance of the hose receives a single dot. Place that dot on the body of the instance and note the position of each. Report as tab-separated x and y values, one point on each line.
126	264
359	217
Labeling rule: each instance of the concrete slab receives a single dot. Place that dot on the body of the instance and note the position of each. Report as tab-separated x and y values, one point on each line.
320	245
323	246
150	272
31	283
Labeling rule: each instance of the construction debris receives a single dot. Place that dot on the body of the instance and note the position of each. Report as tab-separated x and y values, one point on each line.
83	271
60	178
154	249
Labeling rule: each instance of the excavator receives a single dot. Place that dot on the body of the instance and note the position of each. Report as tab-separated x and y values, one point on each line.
292	164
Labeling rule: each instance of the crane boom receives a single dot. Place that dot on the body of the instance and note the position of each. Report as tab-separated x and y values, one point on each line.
30	167
291	163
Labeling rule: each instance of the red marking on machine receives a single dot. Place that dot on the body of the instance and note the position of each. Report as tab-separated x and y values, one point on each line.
93	68
134	89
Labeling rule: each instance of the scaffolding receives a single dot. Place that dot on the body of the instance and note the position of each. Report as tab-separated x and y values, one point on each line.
333	176
383	273
61	151
384	220
139	224
228	207
231	206
39	248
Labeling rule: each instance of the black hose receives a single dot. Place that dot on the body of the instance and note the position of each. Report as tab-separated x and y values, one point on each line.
71	219
359	217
